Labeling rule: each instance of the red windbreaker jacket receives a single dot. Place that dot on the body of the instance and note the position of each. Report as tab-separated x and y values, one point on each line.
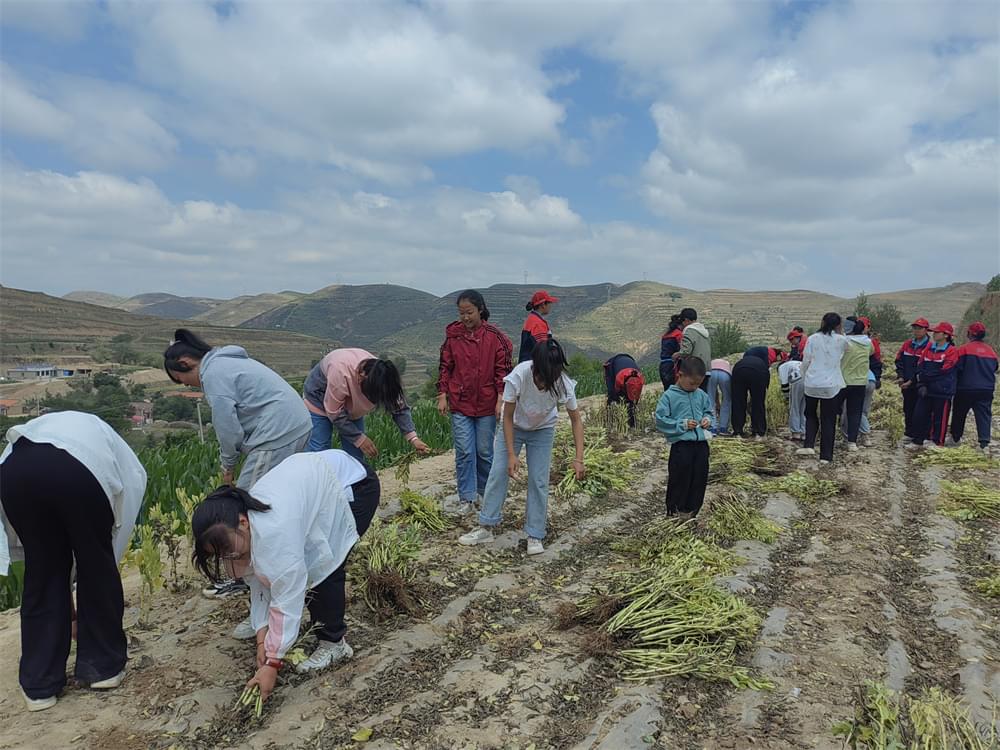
472	367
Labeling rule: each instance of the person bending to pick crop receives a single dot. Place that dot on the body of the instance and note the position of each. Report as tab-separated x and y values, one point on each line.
624	381
684	414
936	381
720	393
474	359
536	328
977	379
532	394
346	385
907	361
254	412
71	489
290	540
751	377
790	379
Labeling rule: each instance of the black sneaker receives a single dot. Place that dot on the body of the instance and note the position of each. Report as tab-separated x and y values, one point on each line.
225	588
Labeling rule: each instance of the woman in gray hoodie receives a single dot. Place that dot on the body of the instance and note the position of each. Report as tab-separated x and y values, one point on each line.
254	411
695	341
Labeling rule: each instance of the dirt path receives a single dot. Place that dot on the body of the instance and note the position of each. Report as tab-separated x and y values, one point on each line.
869	585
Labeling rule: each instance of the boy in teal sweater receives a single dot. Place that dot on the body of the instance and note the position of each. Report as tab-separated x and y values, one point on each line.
684	414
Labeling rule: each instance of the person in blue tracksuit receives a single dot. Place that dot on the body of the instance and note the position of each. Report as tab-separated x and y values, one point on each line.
936	381
684	414
977	380
907	360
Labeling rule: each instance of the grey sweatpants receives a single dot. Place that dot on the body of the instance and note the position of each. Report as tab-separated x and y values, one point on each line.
259	462
797	407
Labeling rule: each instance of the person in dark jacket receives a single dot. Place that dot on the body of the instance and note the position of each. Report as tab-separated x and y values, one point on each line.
797	341
474	359
907	359
751	377
624	381
977	380
936	381
670	344
536	327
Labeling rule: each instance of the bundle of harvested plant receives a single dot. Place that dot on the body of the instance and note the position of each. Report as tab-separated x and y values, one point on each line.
402	467
941	721
959	457
737	462
969	499
804	486
775	406
250	699
876	721
887	413
606	471
383	567
669	542
423	511
732	517
989	586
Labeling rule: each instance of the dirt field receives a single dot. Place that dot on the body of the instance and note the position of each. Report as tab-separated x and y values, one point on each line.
872	584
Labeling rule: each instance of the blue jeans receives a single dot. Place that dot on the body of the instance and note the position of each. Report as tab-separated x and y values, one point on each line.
322	436
722	382
538	449
473	438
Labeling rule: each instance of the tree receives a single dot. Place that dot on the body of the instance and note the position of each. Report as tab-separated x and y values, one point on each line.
675	296
727	338
888	322
993	285
863	306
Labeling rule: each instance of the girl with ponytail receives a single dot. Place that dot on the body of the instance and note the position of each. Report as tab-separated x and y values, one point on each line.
532	394
289	541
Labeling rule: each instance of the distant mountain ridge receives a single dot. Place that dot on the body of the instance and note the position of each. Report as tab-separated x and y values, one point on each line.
598	319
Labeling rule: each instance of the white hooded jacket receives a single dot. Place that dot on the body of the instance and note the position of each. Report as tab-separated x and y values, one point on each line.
92	442
296	545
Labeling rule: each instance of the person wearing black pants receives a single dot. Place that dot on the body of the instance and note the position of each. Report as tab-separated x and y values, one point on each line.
981	404
825	424
853	396
624	382
751	377
687	476
977	378
62	513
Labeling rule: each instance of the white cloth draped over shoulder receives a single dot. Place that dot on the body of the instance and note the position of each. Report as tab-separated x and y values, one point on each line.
92	442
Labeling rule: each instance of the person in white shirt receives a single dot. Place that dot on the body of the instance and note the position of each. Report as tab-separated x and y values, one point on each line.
790	378
71	490
823	382
289	541
533	392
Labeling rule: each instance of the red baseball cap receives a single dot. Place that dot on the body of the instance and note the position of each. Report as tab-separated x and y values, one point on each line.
633	386
920	323
793	334
976	328
944	327
541	297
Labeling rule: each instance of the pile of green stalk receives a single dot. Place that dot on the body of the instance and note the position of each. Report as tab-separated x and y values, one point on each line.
989	586
887	413
775	405
382	568
731	517
668	617
969	499
738	462
804	486
422	511
959	457
606	471
885	720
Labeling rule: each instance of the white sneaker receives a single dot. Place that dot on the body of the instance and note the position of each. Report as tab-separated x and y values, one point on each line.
805	452
243	631
852	447
823	462
934	447
535	546
469	509
39	704
758	438
110	683
326	654
913	446
950	441
476	536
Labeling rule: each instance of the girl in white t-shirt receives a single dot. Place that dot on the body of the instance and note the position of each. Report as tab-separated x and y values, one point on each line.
532	394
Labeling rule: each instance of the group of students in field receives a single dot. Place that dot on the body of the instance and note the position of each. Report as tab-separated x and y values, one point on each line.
280	528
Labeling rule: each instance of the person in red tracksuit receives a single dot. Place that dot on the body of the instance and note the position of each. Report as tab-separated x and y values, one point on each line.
907	359
797	342
936	382
536	327
624	381
977	379
475	358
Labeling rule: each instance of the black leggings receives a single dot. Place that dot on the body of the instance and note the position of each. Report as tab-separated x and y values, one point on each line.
60	512
327	601
825	424
854	397
750	379
687	476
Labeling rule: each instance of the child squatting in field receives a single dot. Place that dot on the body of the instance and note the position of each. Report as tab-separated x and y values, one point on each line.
684	414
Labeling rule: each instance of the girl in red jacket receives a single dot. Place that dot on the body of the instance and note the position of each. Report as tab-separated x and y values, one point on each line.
475	358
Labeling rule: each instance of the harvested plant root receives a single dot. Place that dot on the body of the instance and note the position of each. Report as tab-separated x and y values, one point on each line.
383	568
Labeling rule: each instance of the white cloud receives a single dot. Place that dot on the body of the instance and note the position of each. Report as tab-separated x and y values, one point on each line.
235	166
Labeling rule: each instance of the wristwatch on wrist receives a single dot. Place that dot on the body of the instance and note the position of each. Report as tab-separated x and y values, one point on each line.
272	662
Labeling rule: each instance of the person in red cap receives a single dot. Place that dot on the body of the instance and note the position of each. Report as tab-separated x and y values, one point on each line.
936	381
907	359
977	379
624	381
536	327
796	340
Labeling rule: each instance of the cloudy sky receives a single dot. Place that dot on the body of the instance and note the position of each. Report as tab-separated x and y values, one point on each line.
230	148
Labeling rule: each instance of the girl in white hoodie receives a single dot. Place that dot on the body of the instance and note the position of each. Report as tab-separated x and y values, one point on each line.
823	382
